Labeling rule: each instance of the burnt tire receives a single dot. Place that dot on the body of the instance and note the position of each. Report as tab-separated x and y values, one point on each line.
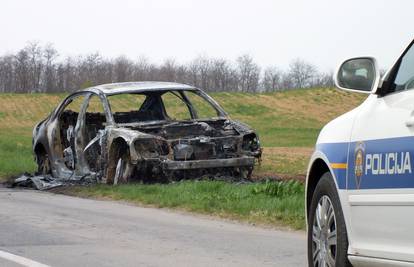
43	163
121	168
327	235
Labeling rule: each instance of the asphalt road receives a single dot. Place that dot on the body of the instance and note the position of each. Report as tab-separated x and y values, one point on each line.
43	229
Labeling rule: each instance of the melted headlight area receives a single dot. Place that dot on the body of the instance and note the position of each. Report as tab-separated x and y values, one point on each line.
251	145
151	148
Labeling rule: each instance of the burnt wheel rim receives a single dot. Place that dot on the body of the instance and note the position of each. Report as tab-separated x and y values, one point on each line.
119	171
324	235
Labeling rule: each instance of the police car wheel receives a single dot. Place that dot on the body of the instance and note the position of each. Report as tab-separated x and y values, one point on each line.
327	236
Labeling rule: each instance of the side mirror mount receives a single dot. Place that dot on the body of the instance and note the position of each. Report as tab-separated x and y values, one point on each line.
359	74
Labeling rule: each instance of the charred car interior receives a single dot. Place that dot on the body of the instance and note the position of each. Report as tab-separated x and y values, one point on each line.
143	131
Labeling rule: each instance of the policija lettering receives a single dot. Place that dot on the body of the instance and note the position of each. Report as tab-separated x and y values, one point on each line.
388	163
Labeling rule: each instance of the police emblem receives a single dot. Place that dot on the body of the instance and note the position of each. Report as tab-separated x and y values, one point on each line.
359	163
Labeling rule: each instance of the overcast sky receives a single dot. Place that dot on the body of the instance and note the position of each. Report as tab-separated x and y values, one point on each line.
274	32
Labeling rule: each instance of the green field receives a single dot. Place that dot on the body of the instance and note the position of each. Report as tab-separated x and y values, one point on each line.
288	123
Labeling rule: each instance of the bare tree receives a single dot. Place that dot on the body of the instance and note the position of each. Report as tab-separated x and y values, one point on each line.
248	74
7	73
220	75
50	54
22	71
35	65
324	79
193	73
142	69
37	68
272	79
181	74
167	71
122	69
301	73
204	71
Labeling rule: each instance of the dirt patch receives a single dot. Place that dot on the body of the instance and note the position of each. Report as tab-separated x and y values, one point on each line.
278	177
292	152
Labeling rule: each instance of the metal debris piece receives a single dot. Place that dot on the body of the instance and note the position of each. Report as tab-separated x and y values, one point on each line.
37	182
45	182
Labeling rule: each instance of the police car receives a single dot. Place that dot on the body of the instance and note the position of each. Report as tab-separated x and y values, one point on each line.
360	181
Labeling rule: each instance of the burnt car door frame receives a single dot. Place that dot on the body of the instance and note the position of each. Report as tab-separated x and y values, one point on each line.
209	99
59	168
83	167
179	94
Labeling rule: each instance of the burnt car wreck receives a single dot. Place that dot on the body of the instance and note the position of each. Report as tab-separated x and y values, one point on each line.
142	131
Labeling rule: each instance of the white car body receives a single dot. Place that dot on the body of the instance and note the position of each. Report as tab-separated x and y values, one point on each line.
377	192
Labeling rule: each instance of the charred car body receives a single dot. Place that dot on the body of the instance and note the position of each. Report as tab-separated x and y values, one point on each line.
142	131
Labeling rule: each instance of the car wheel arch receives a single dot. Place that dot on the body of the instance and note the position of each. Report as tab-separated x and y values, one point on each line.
117	143
318	168
39	148
114	146
41	156
319	165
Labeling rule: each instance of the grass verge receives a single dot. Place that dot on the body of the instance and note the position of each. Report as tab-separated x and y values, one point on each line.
15	154
279	203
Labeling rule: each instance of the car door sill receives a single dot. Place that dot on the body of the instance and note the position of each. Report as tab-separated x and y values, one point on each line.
361	261
377	198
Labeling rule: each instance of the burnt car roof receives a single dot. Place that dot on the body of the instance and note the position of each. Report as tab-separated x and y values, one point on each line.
137	87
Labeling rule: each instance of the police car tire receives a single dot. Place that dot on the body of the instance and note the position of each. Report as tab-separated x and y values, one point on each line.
326	186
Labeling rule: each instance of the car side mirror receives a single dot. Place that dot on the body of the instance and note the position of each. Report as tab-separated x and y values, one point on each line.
358	75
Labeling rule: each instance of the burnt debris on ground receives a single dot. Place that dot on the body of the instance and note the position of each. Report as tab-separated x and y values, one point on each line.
45	182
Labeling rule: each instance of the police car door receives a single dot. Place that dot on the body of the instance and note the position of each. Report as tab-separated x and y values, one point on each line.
380	178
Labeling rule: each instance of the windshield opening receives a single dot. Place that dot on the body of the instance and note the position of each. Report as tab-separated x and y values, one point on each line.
178	105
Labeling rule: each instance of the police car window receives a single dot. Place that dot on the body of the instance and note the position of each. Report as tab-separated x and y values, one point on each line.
405	75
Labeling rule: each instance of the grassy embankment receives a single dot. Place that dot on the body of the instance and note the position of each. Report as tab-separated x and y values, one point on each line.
288	123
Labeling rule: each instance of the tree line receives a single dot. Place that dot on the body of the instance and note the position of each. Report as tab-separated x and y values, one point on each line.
38	68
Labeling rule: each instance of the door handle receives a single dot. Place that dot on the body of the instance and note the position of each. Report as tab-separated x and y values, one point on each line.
410	122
